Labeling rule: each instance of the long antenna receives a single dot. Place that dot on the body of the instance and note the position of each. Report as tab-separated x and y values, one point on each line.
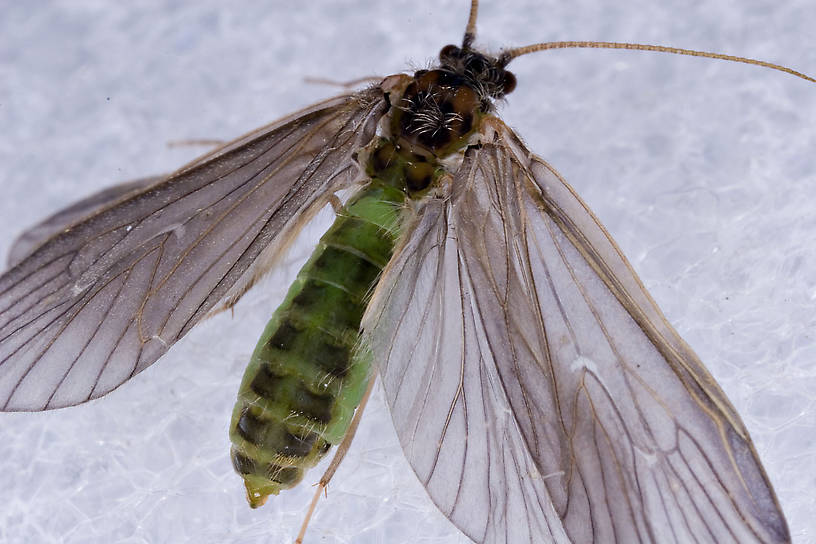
470	29
509	54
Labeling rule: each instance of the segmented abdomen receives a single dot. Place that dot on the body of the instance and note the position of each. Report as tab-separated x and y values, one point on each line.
306	375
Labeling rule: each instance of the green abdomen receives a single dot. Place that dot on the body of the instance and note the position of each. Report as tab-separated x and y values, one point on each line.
306	375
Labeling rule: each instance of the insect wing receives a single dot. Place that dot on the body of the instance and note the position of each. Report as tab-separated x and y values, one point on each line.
537	391
34	237
101	301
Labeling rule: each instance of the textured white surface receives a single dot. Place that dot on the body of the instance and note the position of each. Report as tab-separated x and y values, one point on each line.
703	171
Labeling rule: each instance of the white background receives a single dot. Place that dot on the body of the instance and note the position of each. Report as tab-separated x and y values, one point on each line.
703	171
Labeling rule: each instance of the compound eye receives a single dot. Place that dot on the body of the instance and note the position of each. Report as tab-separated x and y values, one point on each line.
508	83
449	52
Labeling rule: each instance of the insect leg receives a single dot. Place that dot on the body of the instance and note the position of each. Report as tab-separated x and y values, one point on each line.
342	449
343	84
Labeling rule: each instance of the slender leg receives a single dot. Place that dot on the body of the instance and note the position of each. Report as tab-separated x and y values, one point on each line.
196	143
338	458
342	84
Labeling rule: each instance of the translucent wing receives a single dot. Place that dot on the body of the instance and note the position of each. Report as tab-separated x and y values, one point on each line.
537	391
34	237
107	296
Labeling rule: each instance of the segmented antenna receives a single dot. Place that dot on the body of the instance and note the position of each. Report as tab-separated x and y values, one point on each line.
510	54
470	29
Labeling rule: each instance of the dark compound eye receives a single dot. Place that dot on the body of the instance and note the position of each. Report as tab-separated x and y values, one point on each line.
508	83
449	52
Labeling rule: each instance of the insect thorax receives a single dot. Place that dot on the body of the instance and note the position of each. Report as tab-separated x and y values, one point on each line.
435	113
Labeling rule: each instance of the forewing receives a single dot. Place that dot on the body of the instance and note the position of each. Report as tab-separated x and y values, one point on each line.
538	392
35	236
103	299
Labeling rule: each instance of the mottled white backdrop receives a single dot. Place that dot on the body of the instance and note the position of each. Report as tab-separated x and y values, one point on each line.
703	171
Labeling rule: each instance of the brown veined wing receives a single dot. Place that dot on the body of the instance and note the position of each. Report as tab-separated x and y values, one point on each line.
33	237
537	391
104	298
